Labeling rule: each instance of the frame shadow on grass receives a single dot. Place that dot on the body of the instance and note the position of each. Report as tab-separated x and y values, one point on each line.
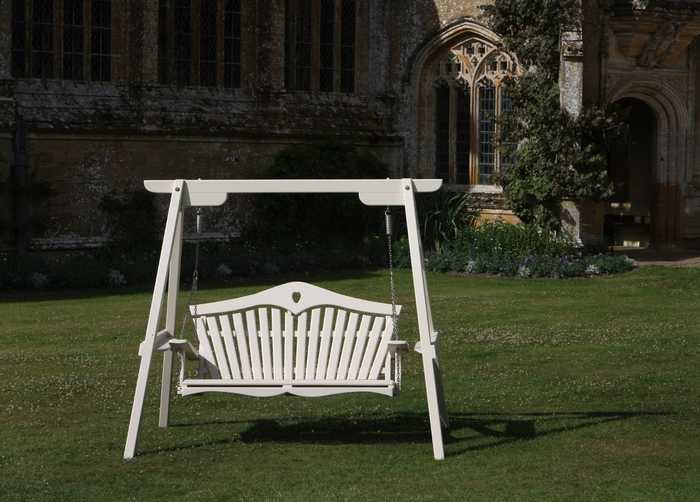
468	431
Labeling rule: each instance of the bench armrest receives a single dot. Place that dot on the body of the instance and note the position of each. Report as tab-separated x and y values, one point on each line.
185	347
397	346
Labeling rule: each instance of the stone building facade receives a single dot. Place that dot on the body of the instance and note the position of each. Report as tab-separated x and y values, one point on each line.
97	95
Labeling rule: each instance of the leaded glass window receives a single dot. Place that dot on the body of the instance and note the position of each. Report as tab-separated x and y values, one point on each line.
462	133
487	132
19	39
347	46
320	48
73	39
442	131
299	41
207	43
232	44
327	45
65	39
42	39
101	41
183	41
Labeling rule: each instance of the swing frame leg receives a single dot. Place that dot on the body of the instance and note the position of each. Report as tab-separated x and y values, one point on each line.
147	346
170	323
437	410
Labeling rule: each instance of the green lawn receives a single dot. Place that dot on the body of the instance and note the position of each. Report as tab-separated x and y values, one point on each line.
558	390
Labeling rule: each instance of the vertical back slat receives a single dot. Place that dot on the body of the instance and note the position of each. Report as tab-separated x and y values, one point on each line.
288	345
371	348
359	349
205	352
379	358
313	344
242	345
277	344
348	342
252	329
265	344
328	317
215	336
300	365
338	333
231	351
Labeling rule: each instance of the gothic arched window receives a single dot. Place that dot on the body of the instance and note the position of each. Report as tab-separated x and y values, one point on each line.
469	95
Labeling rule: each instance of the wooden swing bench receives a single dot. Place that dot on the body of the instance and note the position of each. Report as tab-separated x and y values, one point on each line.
296	339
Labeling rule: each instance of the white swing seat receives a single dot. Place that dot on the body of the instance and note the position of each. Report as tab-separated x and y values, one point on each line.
294	339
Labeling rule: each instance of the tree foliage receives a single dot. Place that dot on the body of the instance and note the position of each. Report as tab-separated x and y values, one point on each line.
556	156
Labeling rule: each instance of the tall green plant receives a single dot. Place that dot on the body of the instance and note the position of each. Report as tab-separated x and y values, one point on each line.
447	213
556	156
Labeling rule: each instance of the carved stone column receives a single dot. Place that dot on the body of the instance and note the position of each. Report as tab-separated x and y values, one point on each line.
571	72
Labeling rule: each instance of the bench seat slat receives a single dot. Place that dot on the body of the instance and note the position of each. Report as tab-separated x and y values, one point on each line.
348	342
230	346
252	332
313	344
336	343
243	353
215	336
328	317
265	343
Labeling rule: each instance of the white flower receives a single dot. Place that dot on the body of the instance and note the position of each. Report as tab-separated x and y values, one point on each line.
524	271
115	278
224	270
592	270
38	280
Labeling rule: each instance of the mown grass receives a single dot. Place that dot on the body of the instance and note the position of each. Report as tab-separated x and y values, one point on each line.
582	389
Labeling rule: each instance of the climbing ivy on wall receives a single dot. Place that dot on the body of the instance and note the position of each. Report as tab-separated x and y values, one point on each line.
556	156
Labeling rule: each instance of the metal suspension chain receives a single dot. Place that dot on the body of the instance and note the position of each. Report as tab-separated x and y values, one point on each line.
392	284
195	274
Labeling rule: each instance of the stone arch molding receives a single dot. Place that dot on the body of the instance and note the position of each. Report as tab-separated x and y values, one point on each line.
671	112
672	121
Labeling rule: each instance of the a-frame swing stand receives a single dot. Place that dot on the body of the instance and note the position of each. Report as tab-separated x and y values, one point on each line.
199	193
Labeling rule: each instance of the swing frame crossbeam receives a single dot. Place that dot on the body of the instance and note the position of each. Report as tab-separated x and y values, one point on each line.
202	193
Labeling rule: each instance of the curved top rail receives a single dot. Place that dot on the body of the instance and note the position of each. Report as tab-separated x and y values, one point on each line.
371	191
295	297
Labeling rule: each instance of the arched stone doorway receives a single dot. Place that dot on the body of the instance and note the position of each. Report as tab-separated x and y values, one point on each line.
630	215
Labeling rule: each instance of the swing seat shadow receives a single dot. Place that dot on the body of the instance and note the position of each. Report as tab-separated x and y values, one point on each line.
468	431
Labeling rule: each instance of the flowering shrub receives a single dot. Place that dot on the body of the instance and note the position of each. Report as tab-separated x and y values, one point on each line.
518	251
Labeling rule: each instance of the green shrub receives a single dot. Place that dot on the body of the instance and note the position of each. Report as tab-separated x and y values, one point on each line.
319	230
516	241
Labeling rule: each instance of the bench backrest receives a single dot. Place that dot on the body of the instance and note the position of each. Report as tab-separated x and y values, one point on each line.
295	332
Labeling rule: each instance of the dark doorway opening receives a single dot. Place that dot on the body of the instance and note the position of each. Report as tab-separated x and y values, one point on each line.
629	214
